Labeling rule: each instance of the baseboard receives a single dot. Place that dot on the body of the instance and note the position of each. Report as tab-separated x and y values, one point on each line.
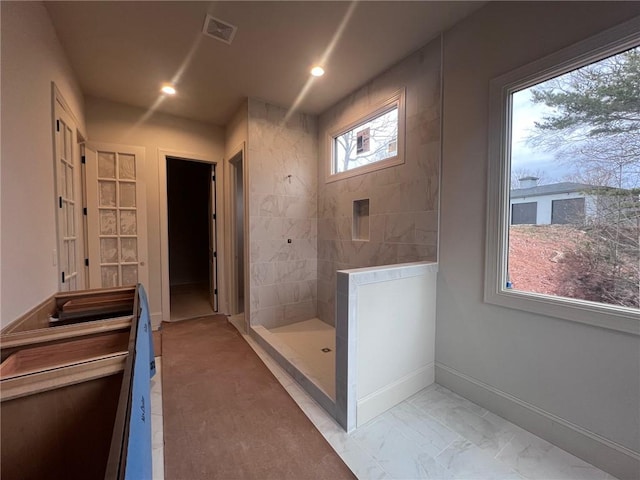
156	320
157	343
390	395
601	452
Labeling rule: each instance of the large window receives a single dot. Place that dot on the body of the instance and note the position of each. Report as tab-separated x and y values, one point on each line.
563	234
371	142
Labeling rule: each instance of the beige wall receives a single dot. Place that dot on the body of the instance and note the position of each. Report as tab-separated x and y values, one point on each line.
117	123
403	208
31	59
283	275
585	375
236	133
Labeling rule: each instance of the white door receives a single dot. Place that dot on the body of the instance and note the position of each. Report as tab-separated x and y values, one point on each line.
213	253
116	215
68	201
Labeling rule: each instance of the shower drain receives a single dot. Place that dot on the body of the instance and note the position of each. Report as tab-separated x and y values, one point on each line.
326	350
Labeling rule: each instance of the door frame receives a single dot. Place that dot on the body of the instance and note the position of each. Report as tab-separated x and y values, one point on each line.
229	254
163	155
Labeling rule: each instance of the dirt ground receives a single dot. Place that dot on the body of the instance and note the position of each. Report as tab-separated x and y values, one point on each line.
534	252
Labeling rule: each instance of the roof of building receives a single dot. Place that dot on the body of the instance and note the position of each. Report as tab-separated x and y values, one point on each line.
552	189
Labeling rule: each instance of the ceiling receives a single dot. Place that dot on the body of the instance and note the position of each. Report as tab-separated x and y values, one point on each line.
124	51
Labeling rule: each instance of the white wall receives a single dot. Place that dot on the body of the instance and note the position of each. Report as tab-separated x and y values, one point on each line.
117	123
31	59
585	375
385	338
236	131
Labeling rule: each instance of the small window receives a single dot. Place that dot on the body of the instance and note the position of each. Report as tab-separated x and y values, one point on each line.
370	143
563	217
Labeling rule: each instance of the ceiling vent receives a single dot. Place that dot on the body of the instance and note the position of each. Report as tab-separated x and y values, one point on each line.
218	29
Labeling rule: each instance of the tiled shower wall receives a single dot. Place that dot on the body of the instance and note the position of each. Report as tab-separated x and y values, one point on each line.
282	172
403	207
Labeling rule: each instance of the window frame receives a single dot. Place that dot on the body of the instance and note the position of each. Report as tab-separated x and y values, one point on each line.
377	110
597	47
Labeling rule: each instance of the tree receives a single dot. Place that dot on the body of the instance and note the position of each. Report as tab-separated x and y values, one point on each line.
594	124
382	138
596	100
594	119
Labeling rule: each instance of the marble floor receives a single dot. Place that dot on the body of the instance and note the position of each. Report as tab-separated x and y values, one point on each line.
435	434
439	435
190	301
157	436
308	339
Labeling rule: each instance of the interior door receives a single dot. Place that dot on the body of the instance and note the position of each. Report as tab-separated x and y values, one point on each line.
213	253
68	200
116	215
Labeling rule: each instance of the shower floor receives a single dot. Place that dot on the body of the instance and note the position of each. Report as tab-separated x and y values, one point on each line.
308	339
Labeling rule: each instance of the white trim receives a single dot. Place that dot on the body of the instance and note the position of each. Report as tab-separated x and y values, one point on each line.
230	249
392	394
592	447
607	43
59	106
396	100
57	95
165	294
156	320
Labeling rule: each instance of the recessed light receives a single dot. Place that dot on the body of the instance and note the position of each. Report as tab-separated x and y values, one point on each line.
317	71
168	89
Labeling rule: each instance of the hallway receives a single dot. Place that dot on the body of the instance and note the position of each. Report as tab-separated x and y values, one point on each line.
190	301
226	416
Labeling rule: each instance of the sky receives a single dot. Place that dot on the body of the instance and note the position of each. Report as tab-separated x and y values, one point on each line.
527	157
524	156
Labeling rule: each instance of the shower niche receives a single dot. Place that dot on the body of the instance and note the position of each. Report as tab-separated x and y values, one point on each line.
360	227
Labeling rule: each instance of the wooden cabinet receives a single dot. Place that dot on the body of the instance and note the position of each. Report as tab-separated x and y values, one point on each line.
66	385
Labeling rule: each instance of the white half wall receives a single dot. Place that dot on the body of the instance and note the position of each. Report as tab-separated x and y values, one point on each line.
385	338
32	58
587	376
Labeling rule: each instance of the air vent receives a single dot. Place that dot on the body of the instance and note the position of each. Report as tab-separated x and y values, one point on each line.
219	29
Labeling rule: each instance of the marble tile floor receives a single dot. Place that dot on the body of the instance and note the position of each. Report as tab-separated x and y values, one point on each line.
190	301
308	339
435	434
157	436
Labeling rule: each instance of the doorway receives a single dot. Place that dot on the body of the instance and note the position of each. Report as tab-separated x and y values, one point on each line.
238	291
191	227
238	232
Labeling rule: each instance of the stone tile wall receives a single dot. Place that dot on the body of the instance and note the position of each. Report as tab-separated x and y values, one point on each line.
403	210
282	173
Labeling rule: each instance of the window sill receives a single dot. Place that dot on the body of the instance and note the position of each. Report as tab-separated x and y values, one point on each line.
622	319
372	167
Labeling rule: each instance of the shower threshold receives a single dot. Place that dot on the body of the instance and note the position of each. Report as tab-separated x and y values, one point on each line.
306	350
